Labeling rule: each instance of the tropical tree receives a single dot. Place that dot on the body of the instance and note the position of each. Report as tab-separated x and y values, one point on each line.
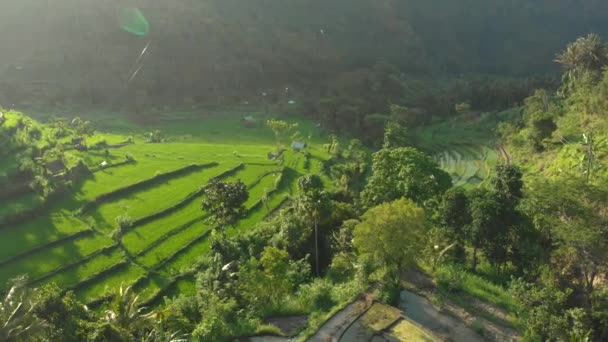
588	53
395	135
311	201
404	172
82	128
455	218
225	202
126	313
392	235
18	320
282	130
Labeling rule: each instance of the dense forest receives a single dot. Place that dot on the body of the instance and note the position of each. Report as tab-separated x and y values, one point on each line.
311	171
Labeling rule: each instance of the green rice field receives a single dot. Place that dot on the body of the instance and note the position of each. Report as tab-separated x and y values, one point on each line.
69	241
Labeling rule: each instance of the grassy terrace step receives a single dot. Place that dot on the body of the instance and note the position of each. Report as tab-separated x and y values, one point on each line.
184	259
162	158
76	274
190	235
47	260
153	198
23	203
143	236
143	184
185	236
127	274
38	232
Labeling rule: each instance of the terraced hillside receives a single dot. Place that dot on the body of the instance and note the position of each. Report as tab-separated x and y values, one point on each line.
469	165
465	148
72	240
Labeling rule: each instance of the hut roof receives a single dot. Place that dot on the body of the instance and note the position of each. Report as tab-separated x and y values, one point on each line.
55	166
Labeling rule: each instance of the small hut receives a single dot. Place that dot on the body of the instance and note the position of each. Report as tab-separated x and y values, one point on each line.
249	121
79	144
55	167
298	145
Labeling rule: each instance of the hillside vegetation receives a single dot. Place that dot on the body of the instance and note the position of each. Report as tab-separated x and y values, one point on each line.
347	170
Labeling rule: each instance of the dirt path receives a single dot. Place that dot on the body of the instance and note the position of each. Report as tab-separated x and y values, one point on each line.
422	311
335	326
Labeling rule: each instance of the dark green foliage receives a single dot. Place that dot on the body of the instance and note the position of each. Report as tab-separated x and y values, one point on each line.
395	135
404	172
455	218
587	54
66	316
507	183
450	278
545	312
224	202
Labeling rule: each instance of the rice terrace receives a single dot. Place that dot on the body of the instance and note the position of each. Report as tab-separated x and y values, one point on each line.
78	242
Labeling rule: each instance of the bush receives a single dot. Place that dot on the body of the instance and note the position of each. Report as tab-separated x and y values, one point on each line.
390	293
129	157
478	327
450	278
463	108
156	137
101	144
123	223
317	295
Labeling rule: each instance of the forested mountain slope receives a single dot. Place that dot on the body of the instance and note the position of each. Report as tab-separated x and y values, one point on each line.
75	50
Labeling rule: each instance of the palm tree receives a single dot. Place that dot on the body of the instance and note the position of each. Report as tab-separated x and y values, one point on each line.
17	319
125	311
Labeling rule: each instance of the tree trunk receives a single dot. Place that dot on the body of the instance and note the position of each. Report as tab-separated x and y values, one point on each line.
474	258
316	249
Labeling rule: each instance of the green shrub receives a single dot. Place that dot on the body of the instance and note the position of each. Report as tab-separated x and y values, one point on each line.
123	222
156	137
268	329
317	295
129	157
478	327
450	278
101	144
390	293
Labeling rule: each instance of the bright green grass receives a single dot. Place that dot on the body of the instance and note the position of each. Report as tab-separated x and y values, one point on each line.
49	259
76	274
152	199
153	159
109	283
183	260
194	139
152	286
173	243
183	286
20	204
142	236
37	232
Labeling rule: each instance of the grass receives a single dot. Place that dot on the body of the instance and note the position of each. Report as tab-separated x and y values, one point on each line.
49	259
380	316
152	199
23	203
74	275
110	282
194	140
407	331
463	148
38	232
478	295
